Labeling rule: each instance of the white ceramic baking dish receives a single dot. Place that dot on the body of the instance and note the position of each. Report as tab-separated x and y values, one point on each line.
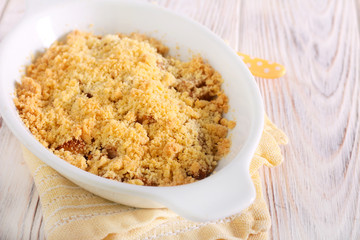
222	194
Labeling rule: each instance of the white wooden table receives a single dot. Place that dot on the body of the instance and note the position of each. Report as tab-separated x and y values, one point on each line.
314	194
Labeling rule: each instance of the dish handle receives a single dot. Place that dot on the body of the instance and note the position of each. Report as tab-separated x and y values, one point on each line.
214	198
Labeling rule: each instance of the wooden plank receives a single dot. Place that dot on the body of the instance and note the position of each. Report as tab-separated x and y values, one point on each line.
3	7
19	209
314	194
11	12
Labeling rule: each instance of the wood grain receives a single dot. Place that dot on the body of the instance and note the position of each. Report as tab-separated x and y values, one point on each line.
314	194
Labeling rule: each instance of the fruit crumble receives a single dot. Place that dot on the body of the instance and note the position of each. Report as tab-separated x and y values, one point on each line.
119	107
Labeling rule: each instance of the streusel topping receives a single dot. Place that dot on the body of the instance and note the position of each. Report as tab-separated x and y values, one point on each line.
119	107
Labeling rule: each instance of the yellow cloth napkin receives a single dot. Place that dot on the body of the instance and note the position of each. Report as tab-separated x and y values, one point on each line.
71	212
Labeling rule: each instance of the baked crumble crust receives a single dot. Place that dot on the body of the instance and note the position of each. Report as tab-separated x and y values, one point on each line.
119	107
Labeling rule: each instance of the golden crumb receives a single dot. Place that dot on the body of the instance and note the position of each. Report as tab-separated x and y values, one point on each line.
119	107
227	123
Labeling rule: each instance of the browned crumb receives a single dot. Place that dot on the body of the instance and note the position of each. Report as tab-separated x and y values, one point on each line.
118	107
227	123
